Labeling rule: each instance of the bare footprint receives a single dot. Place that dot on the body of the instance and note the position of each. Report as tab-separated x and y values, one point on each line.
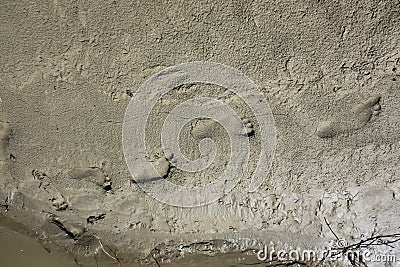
208	128
204	128
52	193
94	175
350	121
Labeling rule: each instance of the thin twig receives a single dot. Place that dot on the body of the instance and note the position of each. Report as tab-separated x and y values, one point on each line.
154	258
374	241
114	252
77	262
369	242
108	254
330	228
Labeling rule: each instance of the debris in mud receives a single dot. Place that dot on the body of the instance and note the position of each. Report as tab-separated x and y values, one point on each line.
5	206
129	93
38	175
107	185
92	219
166	252
248	127
59	203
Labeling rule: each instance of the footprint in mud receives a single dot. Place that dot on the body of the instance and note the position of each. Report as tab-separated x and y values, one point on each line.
58	201
92	181
208	128
5	132
204	128
93	175
350	121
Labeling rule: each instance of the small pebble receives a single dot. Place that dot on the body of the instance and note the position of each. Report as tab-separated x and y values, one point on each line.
249	131
377	107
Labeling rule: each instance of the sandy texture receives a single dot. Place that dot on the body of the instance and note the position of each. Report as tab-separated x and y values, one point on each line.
330	71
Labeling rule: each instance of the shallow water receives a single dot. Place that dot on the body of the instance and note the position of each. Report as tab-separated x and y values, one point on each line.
224	260
18	250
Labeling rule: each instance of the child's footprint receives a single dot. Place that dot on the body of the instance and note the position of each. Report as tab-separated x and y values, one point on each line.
350	121
93	175
208	128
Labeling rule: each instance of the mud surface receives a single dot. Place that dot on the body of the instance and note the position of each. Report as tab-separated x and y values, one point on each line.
330	71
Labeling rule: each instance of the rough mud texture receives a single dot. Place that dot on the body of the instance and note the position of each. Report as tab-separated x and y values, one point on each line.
330	71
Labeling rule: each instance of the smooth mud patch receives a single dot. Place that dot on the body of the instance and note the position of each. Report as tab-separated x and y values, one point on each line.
17	249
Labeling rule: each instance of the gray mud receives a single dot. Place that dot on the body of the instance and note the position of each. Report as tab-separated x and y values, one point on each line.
330	71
